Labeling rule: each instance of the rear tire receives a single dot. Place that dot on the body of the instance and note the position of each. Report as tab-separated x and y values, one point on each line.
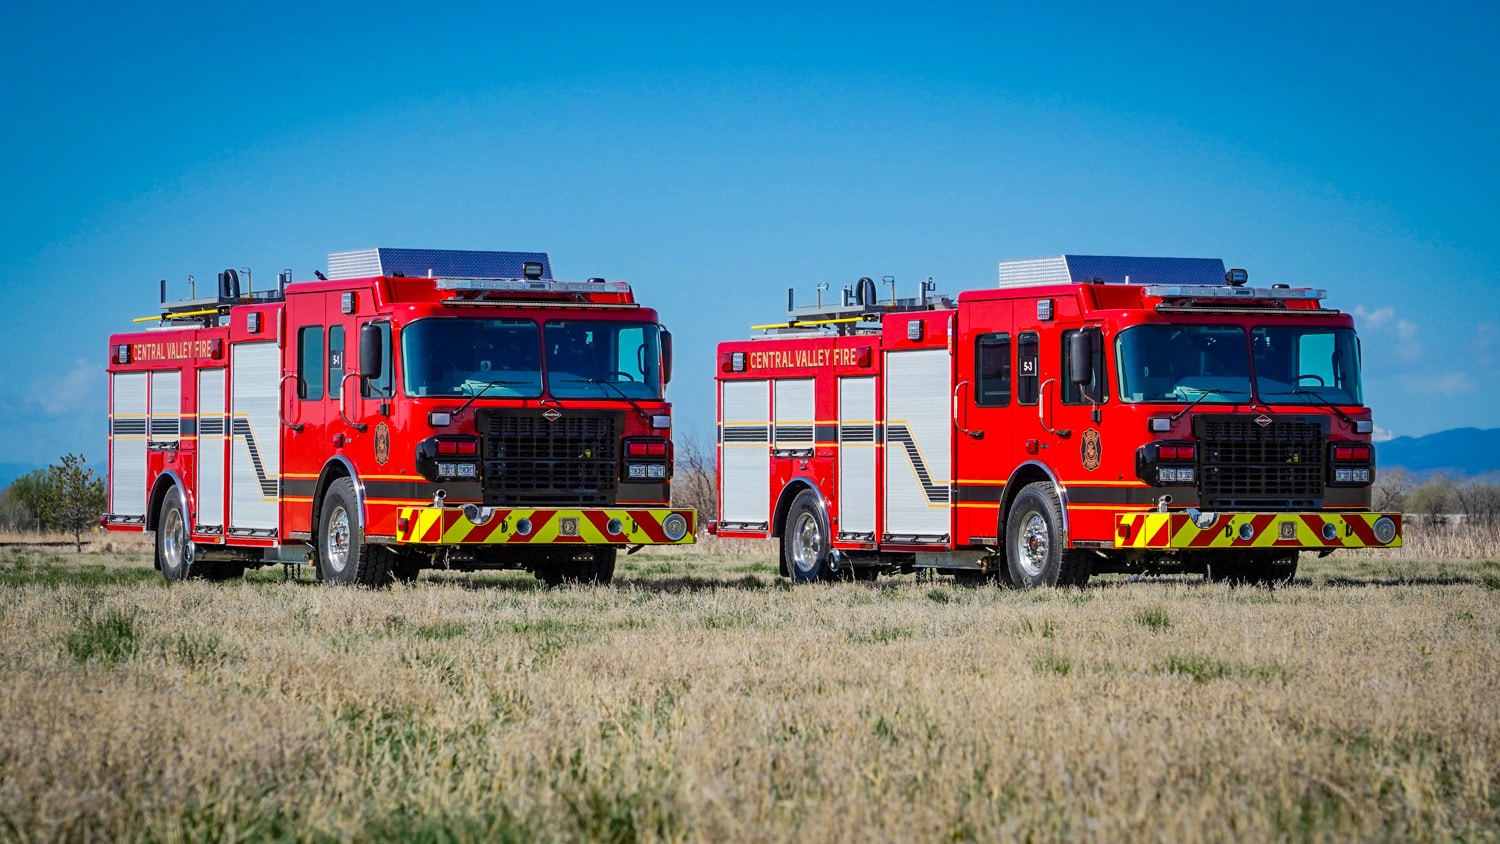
174	542
1034	551
343	555
805	548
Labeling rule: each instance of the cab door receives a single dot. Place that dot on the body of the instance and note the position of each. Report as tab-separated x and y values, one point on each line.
984	405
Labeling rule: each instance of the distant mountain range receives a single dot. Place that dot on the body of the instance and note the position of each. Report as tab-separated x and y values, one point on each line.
1460	451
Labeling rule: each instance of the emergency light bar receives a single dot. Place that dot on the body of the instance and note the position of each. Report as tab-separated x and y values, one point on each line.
521	285
1179	291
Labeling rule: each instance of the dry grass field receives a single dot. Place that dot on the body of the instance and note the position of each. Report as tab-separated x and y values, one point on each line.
701	698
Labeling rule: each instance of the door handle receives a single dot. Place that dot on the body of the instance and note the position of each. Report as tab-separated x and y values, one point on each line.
344	397
978	435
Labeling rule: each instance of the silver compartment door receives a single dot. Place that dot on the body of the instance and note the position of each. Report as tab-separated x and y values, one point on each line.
127	436
211	440
745	453
796	418
856	510
255	458
918	444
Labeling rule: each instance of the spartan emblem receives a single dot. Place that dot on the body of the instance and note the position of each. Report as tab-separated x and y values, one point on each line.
1091	449
382	443
567	527
551	414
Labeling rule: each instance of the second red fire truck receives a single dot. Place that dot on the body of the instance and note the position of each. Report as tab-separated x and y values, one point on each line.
1087	414
412	408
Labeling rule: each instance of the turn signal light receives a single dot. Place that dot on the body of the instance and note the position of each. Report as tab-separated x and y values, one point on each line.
647	448
457	447
1177	452
1351	452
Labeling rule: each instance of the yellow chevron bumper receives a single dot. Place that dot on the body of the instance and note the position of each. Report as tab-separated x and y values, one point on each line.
1314	531
497	526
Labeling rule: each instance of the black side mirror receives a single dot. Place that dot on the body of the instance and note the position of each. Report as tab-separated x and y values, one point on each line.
371	351
1081	356
666	356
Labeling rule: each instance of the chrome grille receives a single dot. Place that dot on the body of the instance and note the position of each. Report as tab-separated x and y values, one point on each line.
532	460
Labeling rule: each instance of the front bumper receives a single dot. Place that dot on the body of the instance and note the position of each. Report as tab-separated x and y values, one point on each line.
472	525
1312	531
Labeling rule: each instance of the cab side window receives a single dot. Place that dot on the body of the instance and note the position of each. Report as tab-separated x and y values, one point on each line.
310	362
336	361
992	370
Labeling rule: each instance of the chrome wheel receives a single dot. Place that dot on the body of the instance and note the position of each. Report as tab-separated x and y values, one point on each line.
336	542
1033	542
807	543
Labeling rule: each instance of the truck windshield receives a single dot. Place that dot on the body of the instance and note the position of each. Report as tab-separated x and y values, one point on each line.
603	360
1183	363
461	357
1312	365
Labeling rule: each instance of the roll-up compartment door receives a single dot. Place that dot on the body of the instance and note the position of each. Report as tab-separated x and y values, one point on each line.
745	453
856	457
211	450
918	440
127	437
796	417
255	457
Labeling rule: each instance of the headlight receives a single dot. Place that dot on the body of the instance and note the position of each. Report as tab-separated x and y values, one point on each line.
457	470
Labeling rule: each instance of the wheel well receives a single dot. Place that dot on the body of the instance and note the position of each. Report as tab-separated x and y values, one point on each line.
331	472
164	484
1028	474
784	504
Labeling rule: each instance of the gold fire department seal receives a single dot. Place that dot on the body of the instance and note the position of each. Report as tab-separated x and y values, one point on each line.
382	443
1091	449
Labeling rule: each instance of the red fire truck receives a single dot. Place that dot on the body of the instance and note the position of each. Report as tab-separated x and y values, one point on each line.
411	408
1088	414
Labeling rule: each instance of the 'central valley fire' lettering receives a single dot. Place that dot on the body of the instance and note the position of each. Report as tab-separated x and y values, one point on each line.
179	350
801	358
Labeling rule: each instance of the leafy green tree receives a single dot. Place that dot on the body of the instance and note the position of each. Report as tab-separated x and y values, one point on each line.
72	499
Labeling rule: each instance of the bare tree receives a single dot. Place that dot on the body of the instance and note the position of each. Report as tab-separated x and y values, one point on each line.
1391	487
694	477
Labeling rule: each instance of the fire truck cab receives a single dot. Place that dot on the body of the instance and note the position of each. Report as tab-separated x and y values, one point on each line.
412	408
1087	414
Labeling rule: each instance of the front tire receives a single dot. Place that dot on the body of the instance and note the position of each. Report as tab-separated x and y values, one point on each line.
343	555
174	543
1034	551
805	548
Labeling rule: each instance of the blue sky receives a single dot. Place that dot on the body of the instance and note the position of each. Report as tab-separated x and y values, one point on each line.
714	155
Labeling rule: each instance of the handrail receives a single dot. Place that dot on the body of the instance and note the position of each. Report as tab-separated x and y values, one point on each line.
281	403
978	435
1041	412
343	397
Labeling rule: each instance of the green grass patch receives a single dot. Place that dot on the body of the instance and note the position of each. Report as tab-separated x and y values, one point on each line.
1153	618
1198	668
32	568
1053	663
442	630
111	637
880	635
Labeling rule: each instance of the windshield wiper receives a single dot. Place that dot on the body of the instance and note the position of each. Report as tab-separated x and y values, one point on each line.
484	389
1349	420
619	392
1203	394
